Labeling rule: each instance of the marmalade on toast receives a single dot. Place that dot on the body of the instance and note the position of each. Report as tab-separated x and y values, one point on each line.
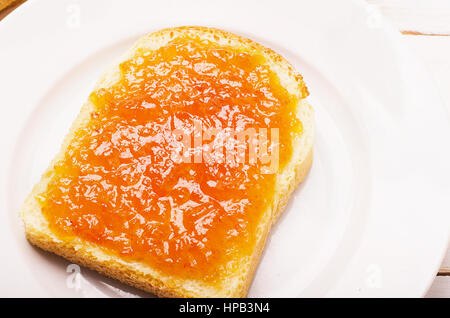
119	188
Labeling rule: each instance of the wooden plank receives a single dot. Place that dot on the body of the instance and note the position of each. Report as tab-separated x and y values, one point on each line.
417	17
7	6
5	3
440	288
445	267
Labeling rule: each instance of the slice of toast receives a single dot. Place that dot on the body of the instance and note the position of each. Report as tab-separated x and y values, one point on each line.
141	274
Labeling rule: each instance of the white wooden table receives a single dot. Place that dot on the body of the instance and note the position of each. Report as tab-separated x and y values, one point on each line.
425	25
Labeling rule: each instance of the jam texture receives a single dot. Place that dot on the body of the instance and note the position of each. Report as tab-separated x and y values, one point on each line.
120	187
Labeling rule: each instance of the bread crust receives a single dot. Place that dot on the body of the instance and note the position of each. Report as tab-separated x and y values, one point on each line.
142	275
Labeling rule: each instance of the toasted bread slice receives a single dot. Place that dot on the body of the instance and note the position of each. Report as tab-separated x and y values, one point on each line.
140	274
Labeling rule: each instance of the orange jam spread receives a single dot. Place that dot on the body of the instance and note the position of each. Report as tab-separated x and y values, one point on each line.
119	187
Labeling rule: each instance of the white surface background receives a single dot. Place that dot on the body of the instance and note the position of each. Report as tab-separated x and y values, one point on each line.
426	28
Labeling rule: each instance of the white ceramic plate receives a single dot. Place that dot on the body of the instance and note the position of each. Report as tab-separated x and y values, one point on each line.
371	219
